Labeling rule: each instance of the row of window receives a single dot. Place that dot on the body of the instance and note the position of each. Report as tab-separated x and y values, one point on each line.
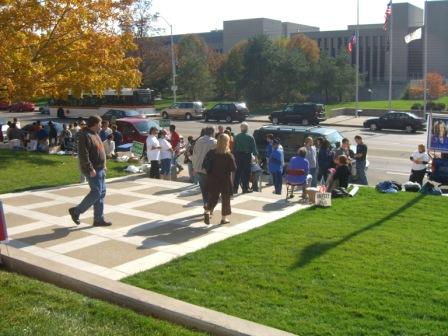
338	42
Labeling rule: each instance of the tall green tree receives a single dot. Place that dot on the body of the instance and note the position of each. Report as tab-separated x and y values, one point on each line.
261	58
194	79
229	81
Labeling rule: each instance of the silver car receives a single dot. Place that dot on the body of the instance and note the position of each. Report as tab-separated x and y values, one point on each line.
184	110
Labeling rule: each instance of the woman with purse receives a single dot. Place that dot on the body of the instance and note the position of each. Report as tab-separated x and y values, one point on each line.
220	164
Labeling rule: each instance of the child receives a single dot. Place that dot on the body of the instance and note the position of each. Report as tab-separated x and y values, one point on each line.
256	173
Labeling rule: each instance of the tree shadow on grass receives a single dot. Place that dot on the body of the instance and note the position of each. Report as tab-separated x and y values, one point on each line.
9	156
316	250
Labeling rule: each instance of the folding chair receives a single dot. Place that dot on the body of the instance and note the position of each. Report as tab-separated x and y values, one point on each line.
294	179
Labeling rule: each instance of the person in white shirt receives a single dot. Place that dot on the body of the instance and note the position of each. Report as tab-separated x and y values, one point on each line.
420	160
109	146
153	153
166	155
202	146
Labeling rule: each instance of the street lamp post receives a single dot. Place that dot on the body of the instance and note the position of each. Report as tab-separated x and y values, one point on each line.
173	62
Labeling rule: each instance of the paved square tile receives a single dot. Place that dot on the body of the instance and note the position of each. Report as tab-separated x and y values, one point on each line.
71	192
182	234
235	218
117	199
163	208
110	253
59	210
25	200
50	236
119	220
13	220
122	185
263	206
153	191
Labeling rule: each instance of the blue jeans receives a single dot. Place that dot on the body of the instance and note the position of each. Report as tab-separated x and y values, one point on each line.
278	181
313	173
95	197
202	178
361	172
193	177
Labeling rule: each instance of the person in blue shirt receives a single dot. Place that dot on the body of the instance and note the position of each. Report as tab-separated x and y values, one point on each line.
276	166
118	137
298	170
105	130
269	140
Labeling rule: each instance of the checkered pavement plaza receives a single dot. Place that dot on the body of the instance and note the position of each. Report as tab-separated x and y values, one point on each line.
154	221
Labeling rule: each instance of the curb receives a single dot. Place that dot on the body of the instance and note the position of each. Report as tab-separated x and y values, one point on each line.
137	299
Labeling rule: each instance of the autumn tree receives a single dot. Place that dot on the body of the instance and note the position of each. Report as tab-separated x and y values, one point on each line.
306	45
51	48
230	82
436	85
194	77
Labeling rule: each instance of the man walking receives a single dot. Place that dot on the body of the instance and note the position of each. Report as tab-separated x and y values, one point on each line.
153	153
361	157
92	161
201	147
243	148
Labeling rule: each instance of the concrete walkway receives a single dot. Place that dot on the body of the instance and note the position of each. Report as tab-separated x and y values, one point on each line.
154	222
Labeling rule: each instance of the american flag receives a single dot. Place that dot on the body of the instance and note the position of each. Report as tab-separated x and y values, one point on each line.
387	15
351	43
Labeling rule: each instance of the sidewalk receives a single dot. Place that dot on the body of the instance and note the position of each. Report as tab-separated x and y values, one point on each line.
341	121
154	222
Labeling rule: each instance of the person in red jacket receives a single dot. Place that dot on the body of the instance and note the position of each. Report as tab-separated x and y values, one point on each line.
175	143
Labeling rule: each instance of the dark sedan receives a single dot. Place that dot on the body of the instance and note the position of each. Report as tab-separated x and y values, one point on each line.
227	112
396	120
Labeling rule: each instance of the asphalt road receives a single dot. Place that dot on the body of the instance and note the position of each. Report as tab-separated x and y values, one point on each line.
388	152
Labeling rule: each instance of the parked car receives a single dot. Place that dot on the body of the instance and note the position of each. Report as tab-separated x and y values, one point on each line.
185	110
3	130
304	114
112	115
227	112
22	107
135	129
293	137
396	120
4	106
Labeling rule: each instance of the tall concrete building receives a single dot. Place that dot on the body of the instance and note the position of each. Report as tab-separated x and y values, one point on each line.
374	44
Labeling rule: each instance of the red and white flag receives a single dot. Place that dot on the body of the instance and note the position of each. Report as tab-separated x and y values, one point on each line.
387	15
3	231
351	43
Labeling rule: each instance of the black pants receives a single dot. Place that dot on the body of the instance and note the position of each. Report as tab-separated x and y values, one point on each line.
242	174
154	171
417	176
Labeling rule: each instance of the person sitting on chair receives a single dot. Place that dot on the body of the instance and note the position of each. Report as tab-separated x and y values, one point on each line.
297	172
339	177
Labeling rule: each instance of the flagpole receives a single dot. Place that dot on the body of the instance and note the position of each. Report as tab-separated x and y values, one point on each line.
391	23
425	62
357	59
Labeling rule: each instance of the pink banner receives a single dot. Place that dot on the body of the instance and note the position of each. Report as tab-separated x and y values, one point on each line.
3	231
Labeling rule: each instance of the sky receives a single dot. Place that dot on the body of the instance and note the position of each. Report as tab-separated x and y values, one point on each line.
196	16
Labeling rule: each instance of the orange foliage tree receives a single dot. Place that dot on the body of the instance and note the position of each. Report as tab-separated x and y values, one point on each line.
53	47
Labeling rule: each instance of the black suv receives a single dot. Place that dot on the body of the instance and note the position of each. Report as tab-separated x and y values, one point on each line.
293	137
227	112
396	120
305	114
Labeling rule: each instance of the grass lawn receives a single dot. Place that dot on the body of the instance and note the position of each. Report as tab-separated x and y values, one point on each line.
28	170
31	307
372	265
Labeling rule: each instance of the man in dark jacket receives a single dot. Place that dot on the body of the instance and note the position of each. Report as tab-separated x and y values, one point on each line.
92	161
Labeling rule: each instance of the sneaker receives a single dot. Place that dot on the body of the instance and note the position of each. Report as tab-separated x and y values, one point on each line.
207	218
75	217
102	223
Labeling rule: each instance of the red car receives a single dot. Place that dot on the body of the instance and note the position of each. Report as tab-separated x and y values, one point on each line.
135	129
4	106
22	107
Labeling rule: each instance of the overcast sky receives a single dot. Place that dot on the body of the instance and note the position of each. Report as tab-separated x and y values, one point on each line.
195	16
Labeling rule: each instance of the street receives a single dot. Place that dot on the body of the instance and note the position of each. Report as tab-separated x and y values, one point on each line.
388	151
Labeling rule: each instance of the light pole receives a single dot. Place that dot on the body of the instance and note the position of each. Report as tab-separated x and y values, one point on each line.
173	62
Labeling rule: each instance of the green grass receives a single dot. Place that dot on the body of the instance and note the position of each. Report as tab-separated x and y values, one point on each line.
29	170
31	307
373	265
383	104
